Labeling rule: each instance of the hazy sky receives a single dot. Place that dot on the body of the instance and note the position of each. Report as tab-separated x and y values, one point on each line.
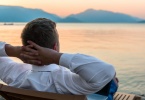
66	7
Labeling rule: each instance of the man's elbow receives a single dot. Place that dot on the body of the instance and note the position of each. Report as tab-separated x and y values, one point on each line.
110	72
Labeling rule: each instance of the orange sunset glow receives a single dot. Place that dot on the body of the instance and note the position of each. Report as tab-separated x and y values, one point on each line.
101	56
66	7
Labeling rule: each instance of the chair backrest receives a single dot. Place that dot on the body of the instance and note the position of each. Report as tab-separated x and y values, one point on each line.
11	93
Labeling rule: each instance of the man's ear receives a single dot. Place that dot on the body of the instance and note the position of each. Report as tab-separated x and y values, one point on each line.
55	47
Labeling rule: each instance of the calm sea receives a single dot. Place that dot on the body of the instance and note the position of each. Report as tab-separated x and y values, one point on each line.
122	45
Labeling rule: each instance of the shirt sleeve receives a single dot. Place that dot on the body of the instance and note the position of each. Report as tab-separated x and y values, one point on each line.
2	49
87	74
11	72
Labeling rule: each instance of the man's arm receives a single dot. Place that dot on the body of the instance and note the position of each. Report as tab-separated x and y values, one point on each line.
89	68
10	72
12	51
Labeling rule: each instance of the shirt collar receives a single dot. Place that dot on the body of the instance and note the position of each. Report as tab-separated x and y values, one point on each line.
50	67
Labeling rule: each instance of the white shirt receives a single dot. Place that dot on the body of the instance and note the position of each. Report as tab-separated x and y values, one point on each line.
75	74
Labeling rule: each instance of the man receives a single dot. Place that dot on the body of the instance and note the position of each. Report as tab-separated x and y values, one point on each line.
65	74
44	56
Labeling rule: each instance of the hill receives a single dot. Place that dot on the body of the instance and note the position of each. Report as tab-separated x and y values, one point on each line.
143	21
70	20
21	14
103	16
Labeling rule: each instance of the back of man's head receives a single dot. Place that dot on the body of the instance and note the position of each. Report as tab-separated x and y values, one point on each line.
41	31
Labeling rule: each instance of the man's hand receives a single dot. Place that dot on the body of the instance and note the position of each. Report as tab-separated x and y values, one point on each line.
34	54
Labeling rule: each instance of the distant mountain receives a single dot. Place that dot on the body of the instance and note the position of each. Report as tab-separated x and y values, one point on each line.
20	14
143	21
102	16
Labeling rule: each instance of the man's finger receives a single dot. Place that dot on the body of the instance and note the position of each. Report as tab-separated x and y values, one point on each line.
27	49
24	56
34	44
29	53
29	46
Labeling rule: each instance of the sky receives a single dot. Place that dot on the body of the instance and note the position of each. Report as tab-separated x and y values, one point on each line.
67	7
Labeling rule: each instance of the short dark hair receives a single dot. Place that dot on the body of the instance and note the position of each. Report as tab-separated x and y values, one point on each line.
41	31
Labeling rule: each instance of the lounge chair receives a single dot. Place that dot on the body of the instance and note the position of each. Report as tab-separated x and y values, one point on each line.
11	93
125	96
